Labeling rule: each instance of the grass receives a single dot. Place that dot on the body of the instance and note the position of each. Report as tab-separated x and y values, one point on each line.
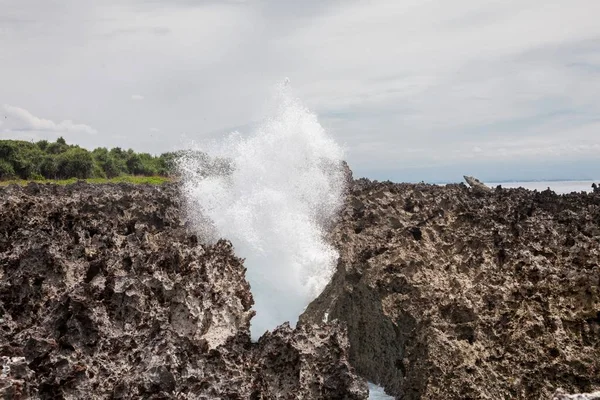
137	180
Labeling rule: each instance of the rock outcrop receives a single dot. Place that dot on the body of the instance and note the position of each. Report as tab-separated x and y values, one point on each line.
476	184
454	293
105	293
561	395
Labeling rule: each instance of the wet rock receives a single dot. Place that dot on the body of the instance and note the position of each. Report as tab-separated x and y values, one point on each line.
494	296
104	293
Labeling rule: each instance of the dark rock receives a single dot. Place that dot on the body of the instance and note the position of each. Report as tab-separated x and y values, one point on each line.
416	232
495	296
104	293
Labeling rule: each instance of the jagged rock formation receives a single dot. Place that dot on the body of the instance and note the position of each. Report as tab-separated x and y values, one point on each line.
458	293
476	184
104	293
561	395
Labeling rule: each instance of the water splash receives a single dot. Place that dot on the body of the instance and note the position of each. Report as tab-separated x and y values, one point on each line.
376	392
272	193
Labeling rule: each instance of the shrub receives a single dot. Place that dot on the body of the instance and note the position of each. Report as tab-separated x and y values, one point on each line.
59	160
167	163
6	170
98	172
42	144
107	162
119	159
74	163
49	167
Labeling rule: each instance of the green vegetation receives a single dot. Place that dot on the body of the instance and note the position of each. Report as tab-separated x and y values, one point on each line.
58	161
138	180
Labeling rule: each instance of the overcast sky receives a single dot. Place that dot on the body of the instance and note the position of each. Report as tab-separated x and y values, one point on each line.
414	89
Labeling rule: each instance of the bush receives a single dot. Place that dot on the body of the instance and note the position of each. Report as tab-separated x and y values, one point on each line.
42	144
56	148
74	163
142	164
107	163
49	167
167	163
6	170
59	160
23	157
119	158
98	172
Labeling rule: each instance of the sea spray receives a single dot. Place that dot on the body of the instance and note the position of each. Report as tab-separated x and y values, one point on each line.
272	193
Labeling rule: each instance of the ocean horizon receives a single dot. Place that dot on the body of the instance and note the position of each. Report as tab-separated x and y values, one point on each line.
558	186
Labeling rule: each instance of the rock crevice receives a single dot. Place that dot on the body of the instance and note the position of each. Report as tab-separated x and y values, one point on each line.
106	293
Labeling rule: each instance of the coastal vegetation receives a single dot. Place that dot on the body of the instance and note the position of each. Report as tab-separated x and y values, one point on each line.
23	161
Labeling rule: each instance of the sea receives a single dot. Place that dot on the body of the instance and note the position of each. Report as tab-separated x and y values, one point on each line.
377	393
559	187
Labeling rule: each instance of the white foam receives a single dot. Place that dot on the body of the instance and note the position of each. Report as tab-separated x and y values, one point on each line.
377	393
284	185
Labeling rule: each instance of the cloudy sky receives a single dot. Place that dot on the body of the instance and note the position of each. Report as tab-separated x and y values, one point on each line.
414	89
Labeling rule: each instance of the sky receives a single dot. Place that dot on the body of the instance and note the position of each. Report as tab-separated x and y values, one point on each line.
414	90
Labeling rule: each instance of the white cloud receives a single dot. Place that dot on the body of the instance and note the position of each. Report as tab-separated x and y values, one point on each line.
21	120
399	83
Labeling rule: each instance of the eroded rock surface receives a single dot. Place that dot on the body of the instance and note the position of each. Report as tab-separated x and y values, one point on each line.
476	184
105	293
458	293
561	395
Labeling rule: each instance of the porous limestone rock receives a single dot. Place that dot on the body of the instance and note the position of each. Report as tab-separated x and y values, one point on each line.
561	395
106	293
449	293
476	184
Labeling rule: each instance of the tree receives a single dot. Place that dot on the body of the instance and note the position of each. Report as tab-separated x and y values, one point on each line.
107	162
6	170
56	148
23	157
59	160
167	163
75	163
119	158
49	167
42	144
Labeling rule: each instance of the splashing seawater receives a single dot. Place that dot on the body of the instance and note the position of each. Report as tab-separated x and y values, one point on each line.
376	392
272	195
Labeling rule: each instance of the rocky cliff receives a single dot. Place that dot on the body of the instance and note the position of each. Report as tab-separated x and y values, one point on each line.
106	293
458	293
